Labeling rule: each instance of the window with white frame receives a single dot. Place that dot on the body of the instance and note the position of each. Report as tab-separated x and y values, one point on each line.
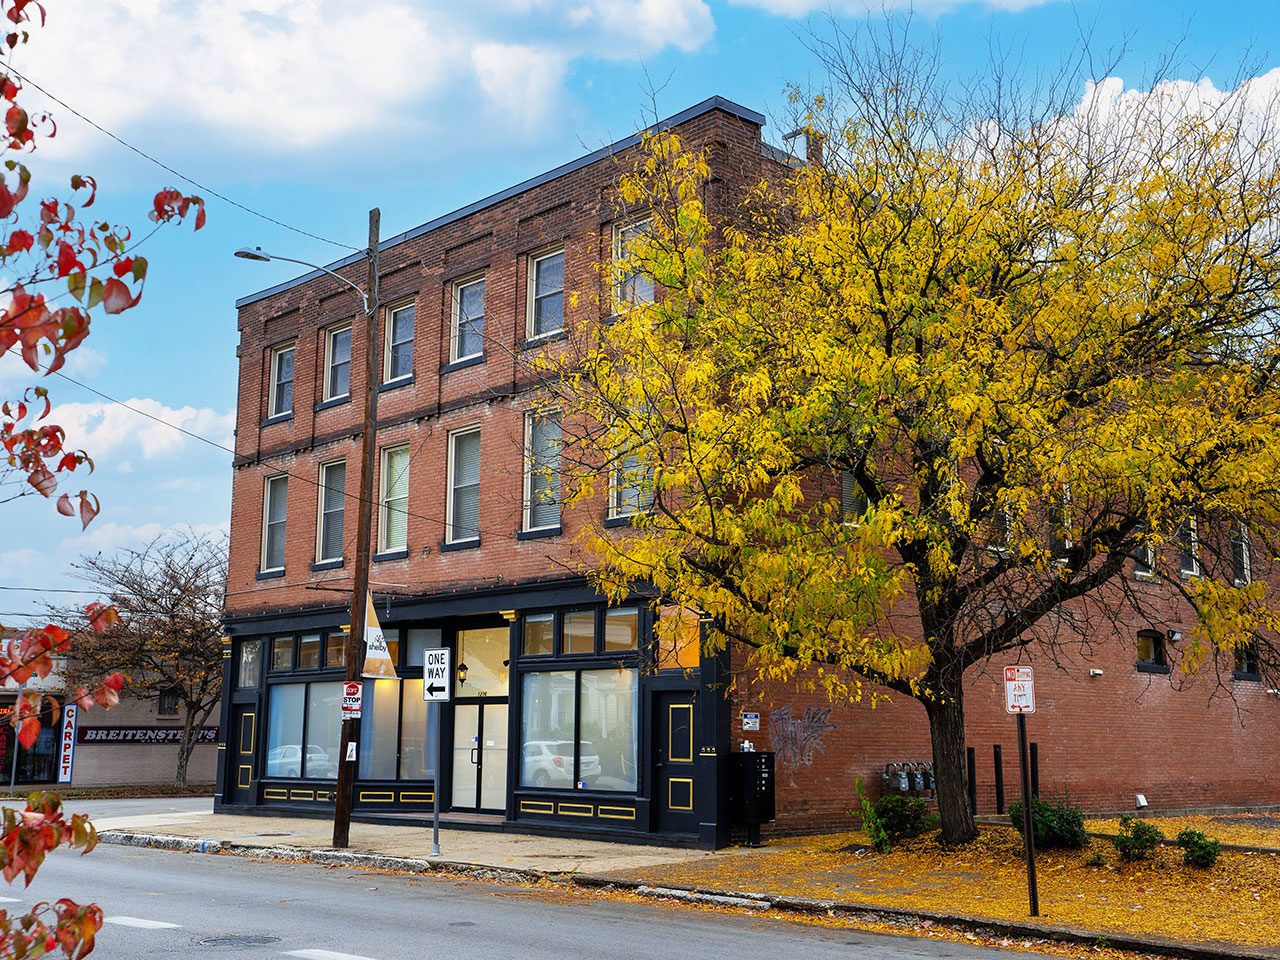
542	470
280	402
1144	558
393	509
546	294
1188	548
337	354
630	485
399	352
468	318
273	516
634	286
464	486
853	500
333	485
1241	559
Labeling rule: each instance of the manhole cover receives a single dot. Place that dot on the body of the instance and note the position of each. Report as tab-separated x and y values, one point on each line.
237	941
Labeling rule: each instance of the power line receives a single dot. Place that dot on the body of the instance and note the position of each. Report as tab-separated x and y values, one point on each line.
181	176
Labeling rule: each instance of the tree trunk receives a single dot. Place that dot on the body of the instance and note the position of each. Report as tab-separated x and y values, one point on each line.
185	747
946	728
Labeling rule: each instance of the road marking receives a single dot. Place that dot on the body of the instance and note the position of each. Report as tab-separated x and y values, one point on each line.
140	923
9	900
323	955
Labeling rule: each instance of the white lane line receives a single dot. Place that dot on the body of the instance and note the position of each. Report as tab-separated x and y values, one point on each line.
323	955
9	900
141	923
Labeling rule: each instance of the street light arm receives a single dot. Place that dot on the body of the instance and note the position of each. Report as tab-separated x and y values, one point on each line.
257	253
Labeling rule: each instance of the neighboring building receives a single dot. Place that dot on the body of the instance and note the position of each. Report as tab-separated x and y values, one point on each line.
132	745
566	717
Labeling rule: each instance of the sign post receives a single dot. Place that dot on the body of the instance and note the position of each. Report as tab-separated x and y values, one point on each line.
437	684
1020	699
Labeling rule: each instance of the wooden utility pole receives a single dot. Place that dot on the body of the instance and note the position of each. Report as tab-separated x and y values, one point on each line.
364	530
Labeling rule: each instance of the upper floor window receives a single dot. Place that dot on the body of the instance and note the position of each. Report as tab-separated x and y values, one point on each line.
280	401
333	484
1246	660
393	510
1151	652
542	476
337	352
634	286
546	294
249	669
1144	560
273	516
399	357
468	319
630	485
1188	548
853	501
464	486
1241	561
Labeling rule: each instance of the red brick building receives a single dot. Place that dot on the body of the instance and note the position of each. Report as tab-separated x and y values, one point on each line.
566	716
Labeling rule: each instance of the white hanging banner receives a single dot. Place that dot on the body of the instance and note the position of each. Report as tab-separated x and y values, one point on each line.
377	657
68	734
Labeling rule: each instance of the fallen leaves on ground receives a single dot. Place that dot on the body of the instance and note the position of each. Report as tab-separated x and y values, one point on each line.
1237	901
1244	829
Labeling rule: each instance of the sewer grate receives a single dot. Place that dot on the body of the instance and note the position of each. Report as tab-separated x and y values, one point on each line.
237	941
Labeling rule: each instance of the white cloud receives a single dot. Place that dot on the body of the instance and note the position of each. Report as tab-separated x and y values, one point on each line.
115	536
82	363
522	82
103	429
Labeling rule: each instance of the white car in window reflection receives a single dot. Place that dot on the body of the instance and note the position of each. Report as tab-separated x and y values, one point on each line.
286	761
549	763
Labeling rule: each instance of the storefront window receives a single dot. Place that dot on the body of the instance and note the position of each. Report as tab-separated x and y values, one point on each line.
250	669
309	653
547	754
419	734
282	653
284	731
678	639
621	629
539	635
335	650
608	728
418	640
324	731
580	632
379	724
485	653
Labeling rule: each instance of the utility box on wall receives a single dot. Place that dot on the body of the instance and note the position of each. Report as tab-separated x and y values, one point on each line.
753	800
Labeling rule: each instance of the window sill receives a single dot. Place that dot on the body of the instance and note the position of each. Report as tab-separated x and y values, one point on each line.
394	384
269	574
400	554
459	545
1145	666
333	402
462	364
278	418
533	343
1245	675
539	533
1144	577
327	564
611	522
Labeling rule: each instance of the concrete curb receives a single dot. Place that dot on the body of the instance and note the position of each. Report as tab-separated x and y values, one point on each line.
732	898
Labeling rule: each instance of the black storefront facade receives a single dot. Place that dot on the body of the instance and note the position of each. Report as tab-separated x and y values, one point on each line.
566	716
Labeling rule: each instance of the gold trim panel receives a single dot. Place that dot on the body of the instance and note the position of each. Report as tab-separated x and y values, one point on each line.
408	795
302	794
275	794
576	809
671	805
618	813
537	806
377	796
686	756
250	717
244	776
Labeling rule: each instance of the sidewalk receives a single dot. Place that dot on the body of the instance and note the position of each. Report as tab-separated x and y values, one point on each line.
791	875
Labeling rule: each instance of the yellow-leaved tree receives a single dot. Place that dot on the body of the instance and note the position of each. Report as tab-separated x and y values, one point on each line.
925	400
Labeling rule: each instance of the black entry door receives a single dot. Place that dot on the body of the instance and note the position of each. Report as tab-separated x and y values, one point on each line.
244	737
674	780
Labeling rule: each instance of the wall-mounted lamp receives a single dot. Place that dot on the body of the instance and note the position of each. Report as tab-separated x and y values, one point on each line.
1141	802
1175	636
1095	672
462	673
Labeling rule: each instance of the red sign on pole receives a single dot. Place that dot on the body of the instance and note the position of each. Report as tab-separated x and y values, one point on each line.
352	695
1019	690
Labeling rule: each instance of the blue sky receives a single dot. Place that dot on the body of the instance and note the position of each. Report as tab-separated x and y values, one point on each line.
313	111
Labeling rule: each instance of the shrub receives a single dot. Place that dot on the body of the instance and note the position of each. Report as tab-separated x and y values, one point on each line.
1097	860
1198	849
871	824
1137	839
1053	825
902	817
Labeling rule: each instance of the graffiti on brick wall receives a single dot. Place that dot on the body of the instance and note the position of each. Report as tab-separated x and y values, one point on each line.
795	740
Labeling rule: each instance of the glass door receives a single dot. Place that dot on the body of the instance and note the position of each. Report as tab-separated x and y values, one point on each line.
480	720
466	756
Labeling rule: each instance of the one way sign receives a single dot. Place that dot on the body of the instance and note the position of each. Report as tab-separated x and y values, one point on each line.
435	675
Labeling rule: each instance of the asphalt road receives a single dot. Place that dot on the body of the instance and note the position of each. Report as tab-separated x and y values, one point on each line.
161	904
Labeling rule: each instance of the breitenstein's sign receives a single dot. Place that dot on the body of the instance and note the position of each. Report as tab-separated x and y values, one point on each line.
141	735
